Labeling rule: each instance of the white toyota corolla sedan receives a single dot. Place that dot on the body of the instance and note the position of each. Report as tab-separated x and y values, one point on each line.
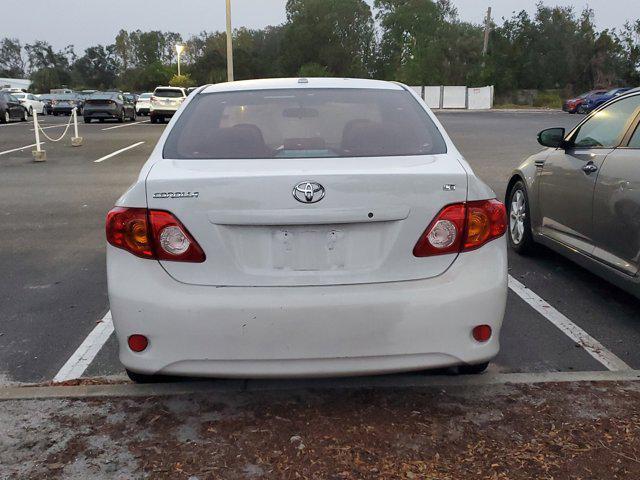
306	227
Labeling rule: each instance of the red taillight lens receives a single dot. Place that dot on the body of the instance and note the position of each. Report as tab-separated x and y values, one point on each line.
152	234
444	234
461	227
127	228
172	240
486	220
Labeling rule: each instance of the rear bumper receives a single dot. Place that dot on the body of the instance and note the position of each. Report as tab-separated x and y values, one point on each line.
63	110
101	113
161	112
308	331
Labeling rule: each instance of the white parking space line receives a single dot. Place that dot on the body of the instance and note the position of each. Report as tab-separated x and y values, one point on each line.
117	152
19	148
570	329
50	126
87	351
125	125
15	123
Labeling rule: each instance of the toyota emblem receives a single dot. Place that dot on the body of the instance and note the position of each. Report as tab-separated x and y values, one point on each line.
308	192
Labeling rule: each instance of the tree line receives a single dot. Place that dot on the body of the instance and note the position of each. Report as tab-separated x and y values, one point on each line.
418	42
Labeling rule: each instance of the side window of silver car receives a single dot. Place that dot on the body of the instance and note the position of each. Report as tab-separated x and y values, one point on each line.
606	127
635	139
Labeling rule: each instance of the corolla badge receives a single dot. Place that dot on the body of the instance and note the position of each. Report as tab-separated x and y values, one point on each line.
176	195
308	192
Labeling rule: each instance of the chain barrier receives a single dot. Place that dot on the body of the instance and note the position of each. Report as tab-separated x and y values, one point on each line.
61	136
40	155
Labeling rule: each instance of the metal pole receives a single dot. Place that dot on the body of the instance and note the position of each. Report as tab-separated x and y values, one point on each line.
75	122
178	63
76	140
487	28
36	127
39	155
229	44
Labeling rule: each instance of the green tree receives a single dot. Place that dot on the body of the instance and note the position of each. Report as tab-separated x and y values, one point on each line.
424	43
183	81
97	68
11	60
335	33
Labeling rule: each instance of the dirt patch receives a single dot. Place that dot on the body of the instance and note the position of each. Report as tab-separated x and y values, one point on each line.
552	431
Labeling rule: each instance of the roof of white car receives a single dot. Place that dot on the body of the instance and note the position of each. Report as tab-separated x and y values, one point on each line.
281	83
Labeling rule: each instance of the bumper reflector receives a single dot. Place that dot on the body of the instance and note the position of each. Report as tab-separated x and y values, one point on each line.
138	343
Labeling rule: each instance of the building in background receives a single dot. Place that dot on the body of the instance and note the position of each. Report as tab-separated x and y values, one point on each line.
21	83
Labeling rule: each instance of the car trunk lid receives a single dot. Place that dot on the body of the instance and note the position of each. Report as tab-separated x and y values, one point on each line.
254	232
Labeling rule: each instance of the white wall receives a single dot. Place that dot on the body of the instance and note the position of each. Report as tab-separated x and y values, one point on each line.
480	98
432	96
454	97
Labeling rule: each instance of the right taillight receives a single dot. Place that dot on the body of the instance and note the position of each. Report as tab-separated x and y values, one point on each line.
462	227
154	234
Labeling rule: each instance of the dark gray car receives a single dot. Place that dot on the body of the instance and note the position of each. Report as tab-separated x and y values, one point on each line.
109	105
11	108
581	195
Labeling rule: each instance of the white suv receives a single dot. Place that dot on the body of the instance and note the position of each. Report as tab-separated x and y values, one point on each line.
305	227
165	101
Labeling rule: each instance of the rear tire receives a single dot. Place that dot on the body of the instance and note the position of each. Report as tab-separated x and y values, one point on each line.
122	117
87	120
519	218
31	111
25	116
5	118
473	369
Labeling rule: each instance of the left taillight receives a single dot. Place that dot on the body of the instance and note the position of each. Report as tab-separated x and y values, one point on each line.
154	234
462	227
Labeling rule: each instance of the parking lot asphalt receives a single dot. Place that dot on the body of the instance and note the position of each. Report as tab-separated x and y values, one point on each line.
53	263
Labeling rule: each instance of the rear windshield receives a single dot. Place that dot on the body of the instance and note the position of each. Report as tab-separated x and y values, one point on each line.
166	92
302	124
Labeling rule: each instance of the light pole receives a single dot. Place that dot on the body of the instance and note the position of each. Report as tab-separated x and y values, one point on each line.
229	44
179	50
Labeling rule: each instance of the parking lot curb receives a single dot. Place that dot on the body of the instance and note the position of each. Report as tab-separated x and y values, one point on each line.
389	381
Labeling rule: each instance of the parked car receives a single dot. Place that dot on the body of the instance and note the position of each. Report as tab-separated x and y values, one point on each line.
165	101
349	235
579	196
11	108
63	104
143	104
594	102
109	105
571	105
47	99
31	103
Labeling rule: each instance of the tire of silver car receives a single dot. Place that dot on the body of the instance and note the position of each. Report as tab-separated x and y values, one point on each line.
520	236
31	111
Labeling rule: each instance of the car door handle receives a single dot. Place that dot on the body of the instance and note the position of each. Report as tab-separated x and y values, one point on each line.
590	168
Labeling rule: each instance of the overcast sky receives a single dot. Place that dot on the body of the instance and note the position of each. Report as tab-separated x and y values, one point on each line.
89	22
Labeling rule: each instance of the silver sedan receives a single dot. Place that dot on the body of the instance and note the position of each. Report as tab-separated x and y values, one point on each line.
580	196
